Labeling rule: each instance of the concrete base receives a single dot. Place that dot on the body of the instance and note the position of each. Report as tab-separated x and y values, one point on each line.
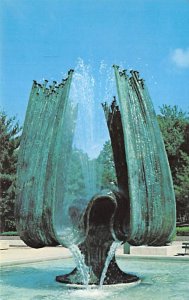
149	250
4	245
14	243
182	238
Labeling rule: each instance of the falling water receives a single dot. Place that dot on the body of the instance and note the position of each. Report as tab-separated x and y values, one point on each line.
111	253
91	134
84	270
85	162
89	89
80	263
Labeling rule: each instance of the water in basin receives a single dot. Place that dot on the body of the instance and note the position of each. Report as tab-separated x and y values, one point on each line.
160	279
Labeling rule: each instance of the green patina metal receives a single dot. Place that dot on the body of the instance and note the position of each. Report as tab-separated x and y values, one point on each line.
147	209
148	179
39	158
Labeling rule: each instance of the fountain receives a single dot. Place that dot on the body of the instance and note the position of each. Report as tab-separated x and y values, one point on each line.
70	192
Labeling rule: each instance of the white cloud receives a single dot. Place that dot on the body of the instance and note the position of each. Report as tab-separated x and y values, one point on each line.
181	57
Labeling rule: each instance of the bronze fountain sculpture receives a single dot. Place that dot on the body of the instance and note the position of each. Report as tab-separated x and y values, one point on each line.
139	209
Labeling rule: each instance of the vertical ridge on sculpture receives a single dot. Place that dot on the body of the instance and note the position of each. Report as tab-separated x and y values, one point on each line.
114	123
152	202
34	207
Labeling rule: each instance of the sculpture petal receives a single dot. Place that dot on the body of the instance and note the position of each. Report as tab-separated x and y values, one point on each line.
37	163
148	181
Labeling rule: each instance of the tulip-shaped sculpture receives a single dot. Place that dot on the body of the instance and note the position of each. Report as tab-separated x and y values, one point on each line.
64	193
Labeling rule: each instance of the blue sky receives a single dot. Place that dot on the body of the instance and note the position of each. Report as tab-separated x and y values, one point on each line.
45	38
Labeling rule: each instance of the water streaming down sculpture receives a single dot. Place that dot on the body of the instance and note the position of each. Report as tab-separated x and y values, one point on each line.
54	207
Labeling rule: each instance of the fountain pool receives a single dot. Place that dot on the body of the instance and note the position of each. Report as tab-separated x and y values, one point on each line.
160	279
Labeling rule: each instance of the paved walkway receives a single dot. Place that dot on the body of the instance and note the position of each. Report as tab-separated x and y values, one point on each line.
23	254
19	253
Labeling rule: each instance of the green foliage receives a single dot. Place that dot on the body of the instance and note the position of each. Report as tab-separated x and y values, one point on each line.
106	162
181	184
75	187
183	230
174	125
85	175
9	143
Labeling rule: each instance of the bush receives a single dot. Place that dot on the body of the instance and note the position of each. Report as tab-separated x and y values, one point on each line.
9	144
183	230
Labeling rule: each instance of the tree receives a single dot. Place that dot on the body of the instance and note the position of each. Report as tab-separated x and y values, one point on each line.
106	163
85	176
174	125
182	187
9	143
75	182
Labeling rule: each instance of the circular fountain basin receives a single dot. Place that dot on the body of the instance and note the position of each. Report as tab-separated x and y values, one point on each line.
94	286
160	279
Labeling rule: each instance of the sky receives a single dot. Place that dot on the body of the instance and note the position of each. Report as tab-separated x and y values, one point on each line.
44	39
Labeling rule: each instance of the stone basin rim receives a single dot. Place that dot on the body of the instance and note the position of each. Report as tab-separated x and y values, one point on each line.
94	286
121	256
